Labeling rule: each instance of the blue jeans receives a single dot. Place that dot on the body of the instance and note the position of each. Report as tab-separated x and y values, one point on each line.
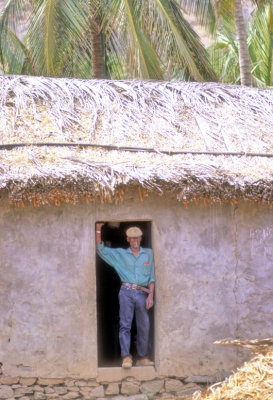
133	301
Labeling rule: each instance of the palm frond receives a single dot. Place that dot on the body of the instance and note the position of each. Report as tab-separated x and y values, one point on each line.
224	57
160	27
13	53
261	44
149	63
224	51
54	23
189	50
203	10
11	13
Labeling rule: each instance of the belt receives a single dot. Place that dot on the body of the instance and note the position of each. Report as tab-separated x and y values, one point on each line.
136	287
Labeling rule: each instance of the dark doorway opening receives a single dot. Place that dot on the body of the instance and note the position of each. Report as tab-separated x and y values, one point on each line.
108	285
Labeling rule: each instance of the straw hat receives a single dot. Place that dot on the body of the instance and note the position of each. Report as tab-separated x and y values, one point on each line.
134	231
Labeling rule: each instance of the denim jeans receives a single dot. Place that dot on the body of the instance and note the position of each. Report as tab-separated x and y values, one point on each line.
133	301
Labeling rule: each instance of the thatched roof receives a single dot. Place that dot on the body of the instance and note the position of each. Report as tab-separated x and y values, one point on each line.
70	139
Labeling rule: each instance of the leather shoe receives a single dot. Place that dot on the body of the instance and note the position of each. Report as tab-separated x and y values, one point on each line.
127	362
144	362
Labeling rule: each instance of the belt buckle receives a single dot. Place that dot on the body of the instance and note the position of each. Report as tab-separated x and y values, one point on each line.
134	286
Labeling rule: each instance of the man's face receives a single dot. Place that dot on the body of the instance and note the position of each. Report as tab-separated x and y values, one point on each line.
134	242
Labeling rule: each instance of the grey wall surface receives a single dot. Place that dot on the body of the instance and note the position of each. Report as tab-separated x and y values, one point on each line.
214	280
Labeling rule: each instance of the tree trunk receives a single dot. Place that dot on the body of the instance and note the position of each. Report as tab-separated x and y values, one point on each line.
244	59
96	44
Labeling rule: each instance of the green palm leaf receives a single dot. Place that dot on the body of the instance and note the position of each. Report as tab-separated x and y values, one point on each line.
203	10
159	33
54	23
224	52
144	39
149	63
14	55
261	44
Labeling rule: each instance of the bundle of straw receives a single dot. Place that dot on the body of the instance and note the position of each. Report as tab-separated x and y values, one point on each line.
254	380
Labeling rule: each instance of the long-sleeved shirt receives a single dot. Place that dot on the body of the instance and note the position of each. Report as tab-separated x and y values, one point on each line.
137	270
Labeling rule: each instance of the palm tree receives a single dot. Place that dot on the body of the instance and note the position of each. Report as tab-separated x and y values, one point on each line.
96	40
244	59
208	11
224	52
106	38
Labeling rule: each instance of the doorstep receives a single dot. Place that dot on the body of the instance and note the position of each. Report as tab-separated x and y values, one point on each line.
115	374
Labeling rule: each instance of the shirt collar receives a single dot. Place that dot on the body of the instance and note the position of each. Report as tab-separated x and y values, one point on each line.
129	250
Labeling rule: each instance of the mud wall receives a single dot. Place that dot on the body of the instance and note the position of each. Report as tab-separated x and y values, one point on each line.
214	280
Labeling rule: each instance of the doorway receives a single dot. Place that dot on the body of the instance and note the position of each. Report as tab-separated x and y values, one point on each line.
108	285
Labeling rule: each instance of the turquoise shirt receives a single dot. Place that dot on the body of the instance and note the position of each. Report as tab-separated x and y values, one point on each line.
138	270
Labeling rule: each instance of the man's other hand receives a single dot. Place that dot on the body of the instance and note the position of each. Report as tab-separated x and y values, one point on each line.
149	301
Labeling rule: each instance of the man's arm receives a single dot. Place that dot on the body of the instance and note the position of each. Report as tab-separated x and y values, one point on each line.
110	255
99	225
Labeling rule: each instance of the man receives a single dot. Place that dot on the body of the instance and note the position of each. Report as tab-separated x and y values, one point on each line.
135	267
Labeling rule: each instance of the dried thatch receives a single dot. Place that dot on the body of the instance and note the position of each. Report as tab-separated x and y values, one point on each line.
254	380
261	346
68	139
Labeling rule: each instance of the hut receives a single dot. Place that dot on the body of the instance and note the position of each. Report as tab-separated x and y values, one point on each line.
189	163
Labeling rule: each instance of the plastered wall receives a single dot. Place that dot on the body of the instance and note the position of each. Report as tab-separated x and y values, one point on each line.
214	280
